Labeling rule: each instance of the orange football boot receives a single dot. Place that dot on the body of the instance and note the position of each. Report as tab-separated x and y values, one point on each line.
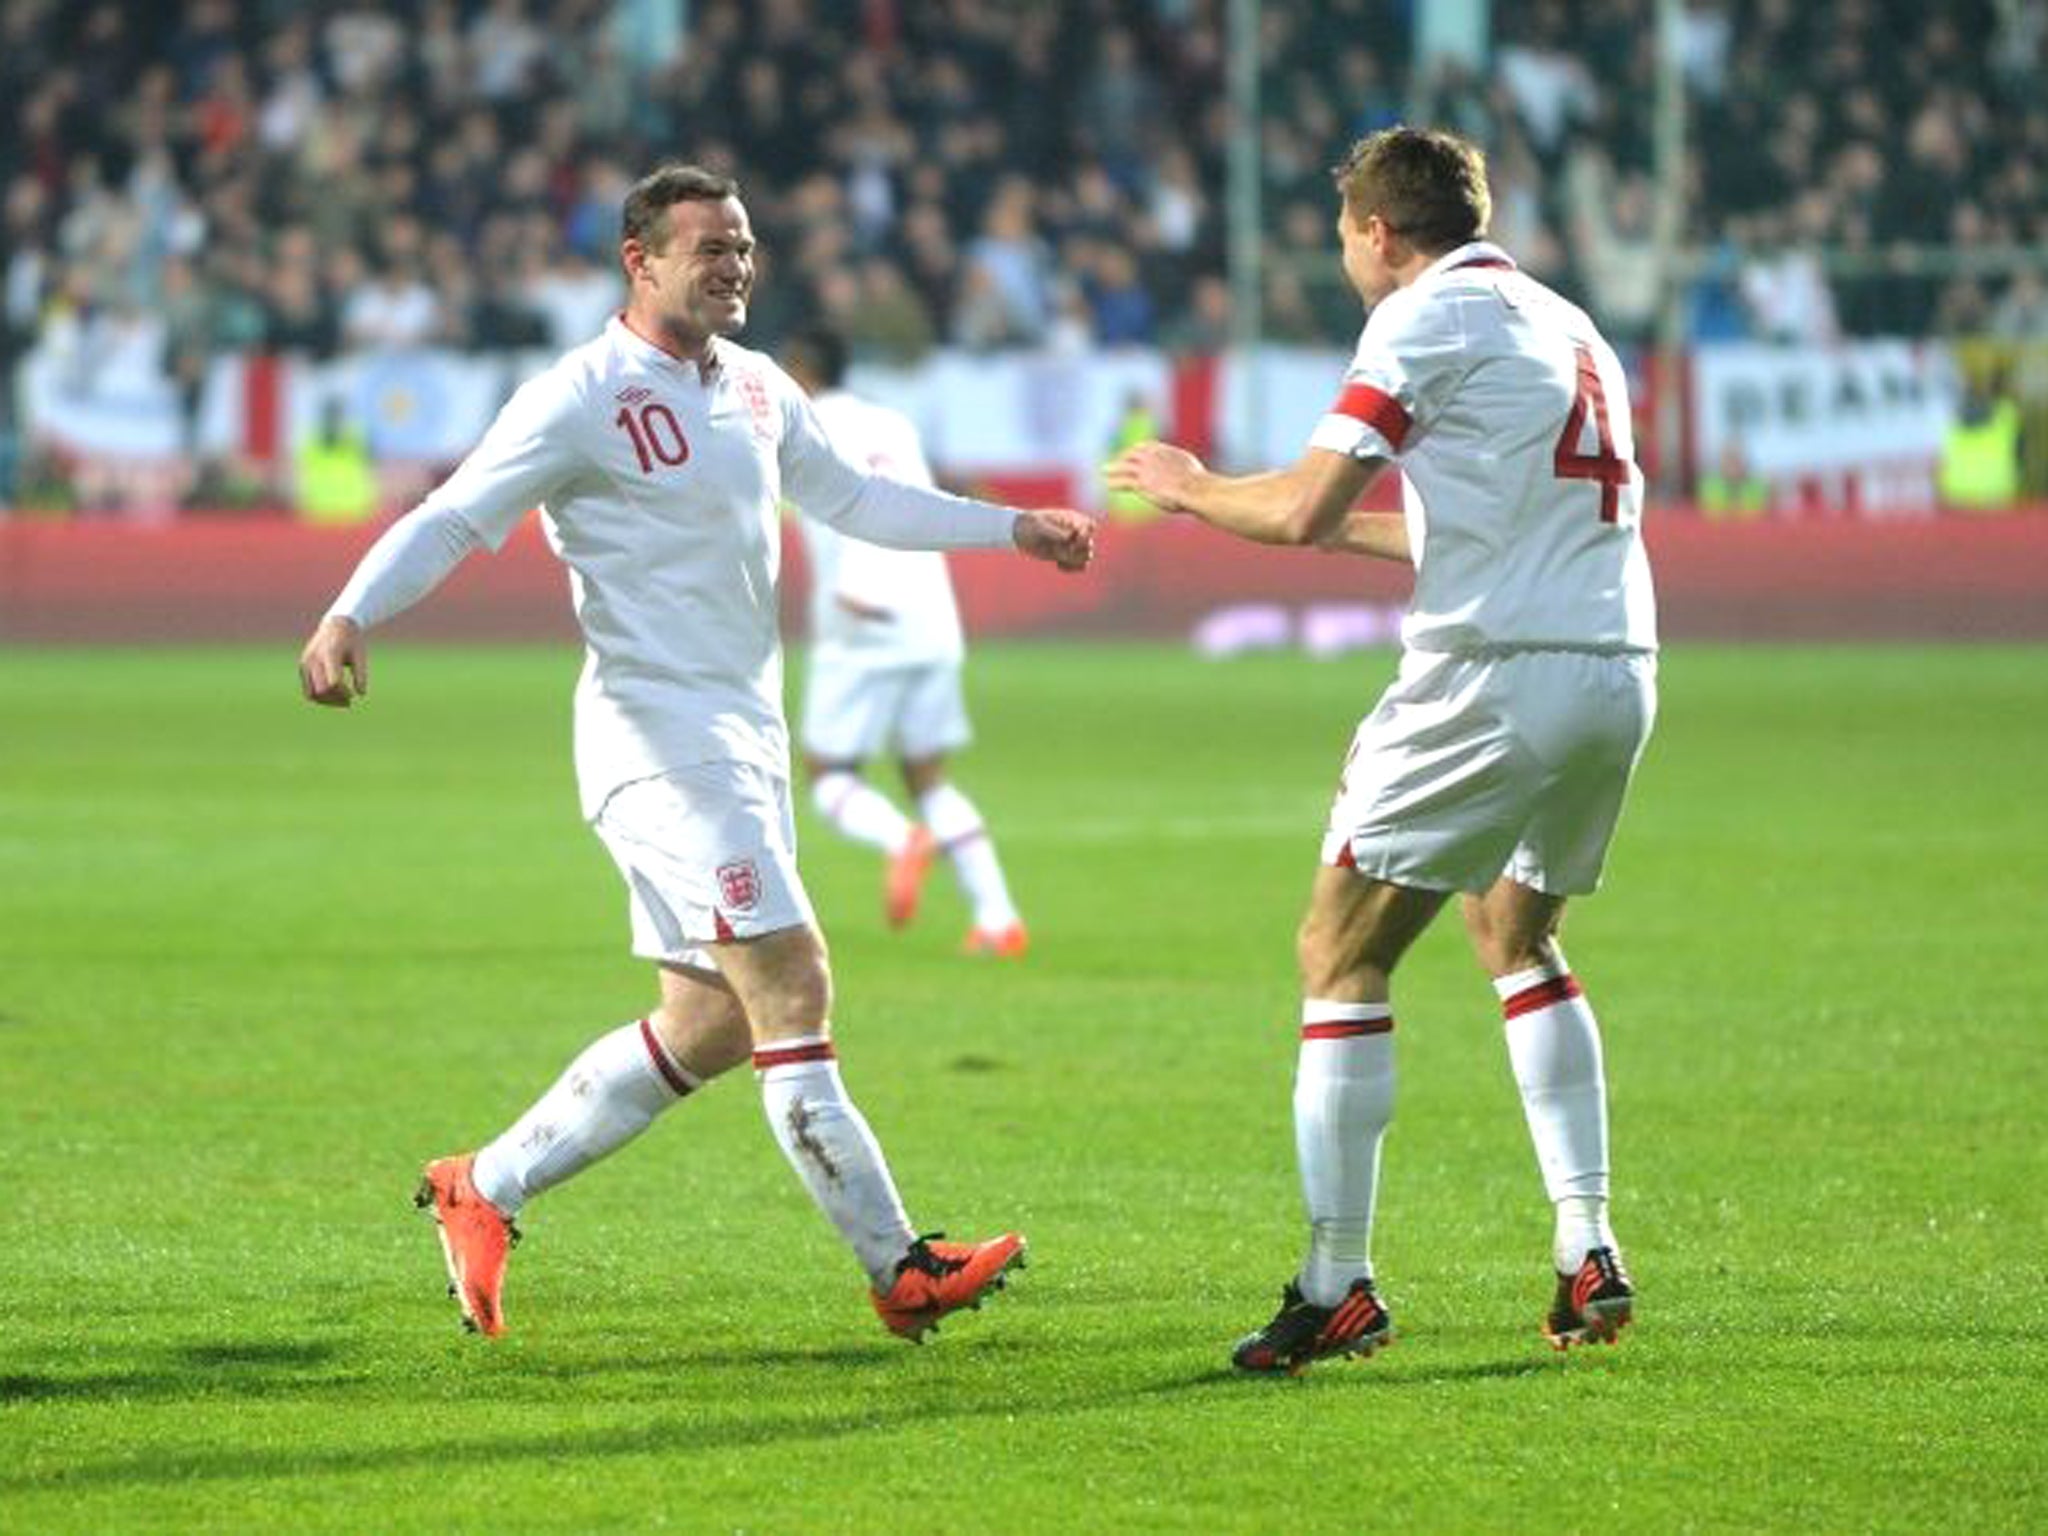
903	881
936	1278
1003	943
475	1239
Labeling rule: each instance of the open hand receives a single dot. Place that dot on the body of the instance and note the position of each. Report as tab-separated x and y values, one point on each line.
1161	473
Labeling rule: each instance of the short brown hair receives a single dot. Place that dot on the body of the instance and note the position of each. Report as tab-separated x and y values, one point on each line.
660	190
1427	186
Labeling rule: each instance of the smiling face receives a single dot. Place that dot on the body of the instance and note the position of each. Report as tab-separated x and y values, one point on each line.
694	283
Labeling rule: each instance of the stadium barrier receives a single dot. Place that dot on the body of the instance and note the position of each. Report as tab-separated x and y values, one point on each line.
222	579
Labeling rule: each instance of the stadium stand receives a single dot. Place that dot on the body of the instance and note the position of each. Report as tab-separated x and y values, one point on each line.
312	176
295	182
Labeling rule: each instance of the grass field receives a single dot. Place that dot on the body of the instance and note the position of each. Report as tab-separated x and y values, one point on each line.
257	961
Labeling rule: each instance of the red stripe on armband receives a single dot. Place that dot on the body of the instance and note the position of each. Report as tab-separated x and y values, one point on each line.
1377	409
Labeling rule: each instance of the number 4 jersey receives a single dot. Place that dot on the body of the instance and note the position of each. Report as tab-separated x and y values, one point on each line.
659	485
1508	416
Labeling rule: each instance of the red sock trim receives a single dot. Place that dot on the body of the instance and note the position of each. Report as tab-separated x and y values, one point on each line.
791	1055
670	1072
1543	995
1346	1029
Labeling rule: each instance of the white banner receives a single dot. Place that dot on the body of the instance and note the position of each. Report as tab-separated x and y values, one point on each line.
1022	412
1859	424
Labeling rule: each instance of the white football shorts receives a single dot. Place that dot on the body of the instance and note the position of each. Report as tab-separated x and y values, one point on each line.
709	854
853	711
1512	762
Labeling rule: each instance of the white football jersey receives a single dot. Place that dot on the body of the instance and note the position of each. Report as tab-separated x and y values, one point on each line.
910	585
1509	417
660	489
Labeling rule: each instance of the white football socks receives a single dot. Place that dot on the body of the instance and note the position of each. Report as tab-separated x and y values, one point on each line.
957	826
860	811
829	1145
608	1095
1343	1101
1554	1045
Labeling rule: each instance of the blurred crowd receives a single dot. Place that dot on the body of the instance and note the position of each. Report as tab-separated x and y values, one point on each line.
317	175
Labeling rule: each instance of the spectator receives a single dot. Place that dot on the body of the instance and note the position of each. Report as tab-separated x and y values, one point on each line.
1204	325
1006	272
1787	290
392	310
298	316
1121	308
1614	244
889	322
1732	488
574	296
335	481
1551	87
1118	106
1980	455
2021	313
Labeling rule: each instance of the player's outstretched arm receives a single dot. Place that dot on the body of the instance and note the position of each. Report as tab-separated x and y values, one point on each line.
407	562
334	668
1057	534
1381	534
1306	503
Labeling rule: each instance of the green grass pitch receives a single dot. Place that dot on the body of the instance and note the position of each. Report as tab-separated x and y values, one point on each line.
257	961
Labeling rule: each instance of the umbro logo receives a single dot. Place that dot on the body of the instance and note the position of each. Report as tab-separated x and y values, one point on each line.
635	395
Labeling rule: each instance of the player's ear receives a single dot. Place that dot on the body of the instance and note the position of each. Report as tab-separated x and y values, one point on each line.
633	257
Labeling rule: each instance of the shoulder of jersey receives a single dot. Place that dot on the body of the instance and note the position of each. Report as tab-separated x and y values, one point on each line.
587	362
844	405
1402	307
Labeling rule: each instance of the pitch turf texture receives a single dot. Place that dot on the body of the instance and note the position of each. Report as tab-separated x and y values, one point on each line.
257	961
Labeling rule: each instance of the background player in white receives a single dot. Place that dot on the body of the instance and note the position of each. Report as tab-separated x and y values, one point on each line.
1496	763
658	454
884	673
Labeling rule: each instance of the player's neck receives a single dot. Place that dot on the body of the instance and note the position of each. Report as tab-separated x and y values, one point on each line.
682	344
1413	266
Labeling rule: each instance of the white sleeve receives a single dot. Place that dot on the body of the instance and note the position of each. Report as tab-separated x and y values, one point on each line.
1409	355
526	458
405	564
888	512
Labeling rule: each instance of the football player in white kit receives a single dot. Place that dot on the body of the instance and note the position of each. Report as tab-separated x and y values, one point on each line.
658	454
1496	763
884	673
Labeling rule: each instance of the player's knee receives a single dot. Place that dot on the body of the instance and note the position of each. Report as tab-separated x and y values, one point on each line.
923	775
810	995
793	996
